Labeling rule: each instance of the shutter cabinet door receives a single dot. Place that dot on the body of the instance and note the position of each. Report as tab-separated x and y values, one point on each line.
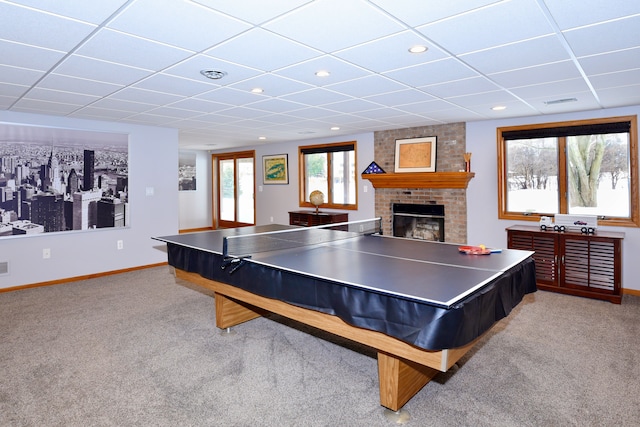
589	263
545	253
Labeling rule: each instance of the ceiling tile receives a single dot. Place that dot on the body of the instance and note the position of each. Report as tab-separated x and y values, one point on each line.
620	96
117	47
339	70
544	50
199	105
414	14
622	78
23	25
455	88
37	106
31	57
499	24
77	9
181	23
19	76
432	73
148	96
609	36
139	61
121	105
190	69
94	69
253	10
553	90
401	97
367	86
13	90
390	53
96	113
339	31
273	85
562	70
174	85
316	97
59	96
610	62
590	12
263	50
229	96
77	85
275	105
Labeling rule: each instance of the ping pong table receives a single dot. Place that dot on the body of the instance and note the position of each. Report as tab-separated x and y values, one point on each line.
422	305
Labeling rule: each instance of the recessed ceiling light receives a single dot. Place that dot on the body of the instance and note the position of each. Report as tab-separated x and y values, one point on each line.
418	49
257	90
213	74
322	73
262	137
499	108
335	128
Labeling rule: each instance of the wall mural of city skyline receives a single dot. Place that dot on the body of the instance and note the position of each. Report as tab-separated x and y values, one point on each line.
62	180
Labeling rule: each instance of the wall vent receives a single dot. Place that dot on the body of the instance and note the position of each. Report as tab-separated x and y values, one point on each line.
4	268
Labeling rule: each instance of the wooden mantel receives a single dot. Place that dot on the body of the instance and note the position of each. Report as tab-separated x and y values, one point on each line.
420	179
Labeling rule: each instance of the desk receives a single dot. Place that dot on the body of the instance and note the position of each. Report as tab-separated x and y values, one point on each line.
422	305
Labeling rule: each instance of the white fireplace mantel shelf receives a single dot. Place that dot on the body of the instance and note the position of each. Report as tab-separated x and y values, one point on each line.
420	179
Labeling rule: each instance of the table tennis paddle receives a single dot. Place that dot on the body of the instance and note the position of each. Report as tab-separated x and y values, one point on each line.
477	250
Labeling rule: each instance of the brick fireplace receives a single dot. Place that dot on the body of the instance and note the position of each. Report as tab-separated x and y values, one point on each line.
451	146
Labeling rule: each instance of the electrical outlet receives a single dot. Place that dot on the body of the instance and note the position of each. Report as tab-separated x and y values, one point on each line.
271	219
120	244
46	253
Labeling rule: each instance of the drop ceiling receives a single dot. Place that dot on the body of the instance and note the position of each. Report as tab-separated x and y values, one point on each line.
139	61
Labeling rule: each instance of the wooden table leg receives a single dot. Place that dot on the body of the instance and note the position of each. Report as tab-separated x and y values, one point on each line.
230	312
400	379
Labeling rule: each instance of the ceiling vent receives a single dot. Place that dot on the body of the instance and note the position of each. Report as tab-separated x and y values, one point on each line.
560	101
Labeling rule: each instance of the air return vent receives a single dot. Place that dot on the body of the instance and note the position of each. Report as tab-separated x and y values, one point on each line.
4	268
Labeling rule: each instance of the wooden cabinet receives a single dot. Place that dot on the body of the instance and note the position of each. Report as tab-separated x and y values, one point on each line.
310	218
588	265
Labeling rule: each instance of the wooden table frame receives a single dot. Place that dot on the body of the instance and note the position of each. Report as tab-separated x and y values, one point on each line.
403	369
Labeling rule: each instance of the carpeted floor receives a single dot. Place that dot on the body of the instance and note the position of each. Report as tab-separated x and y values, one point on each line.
139	349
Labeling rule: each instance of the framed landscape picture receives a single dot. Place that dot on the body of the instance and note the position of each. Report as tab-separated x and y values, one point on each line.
416	155
275	169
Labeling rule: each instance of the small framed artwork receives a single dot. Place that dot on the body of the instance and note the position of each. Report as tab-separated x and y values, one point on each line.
275	169
416	154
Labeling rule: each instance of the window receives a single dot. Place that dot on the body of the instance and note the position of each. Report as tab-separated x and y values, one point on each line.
583	167
330	168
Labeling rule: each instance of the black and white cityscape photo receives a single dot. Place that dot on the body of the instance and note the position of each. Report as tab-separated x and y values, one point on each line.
56	180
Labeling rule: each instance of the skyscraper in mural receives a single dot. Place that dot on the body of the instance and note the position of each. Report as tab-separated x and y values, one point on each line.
89	169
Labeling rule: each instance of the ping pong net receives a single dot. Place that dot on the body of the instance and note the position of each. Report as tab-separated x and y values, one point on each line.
236	248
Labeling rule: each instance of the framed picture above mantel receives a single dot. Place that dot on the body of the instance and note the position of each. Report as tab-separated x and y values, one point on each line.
416	155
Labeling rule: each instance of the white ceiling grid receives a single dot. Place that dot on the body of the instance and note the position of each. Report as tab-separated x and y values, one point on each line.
139	61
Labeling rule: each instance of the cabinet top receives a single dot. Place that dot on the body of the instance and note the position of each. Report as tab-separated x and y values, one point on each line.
536	229
317	214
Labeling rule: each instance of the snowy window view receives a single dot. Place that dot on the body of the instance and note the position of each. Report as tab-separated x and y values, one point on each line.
588	172
330	169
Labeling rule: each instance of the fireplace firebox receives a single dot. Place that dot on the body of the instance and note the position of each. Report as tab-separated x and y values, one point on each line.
415	221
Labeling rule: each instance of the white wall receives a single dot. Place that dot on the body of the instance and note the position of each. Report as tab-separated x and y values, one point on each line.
483	225
273	202
153	163
195	206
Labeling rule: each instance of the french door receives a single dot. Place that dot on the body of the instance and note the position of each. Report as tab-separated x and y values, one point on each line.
236	189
